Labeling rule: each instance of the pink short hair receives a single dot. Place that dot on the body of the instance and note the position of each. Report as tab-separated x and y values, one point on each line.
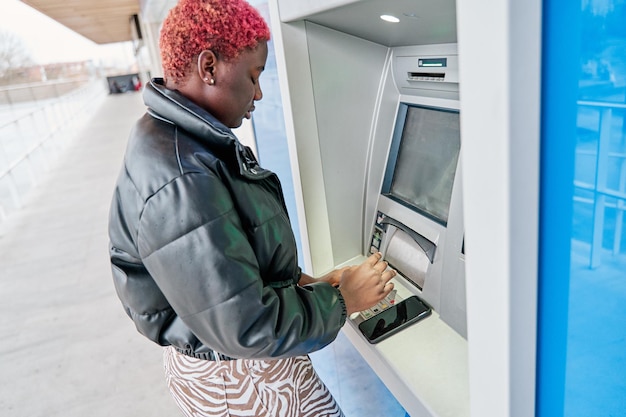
225	27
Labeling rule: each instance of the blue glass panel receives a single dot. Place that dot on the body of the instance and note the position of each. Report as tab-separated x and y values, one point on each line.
595	382
558	127
593	379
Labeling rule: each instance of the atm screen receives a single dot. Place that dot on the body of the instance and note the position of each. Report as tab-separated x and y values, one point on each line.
423	160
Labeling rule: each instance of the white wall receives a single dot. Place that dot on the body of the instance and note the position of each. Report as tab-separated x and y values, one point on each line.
499	58
329	116
345	88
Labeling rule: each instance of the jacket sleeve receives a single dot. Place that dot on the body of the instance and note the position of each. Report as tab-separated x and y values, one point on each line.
203	263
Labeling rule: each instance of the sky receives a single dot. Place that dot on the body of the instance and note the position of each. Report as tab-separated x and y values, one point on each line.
50	42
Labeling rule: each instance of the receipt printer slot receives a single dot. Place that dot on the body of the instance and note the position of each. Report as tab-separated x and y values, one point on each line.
408	252
426	245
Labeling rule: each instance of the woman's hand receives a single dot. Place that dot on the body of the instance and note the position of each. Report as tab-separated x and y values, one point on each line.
333	277
361	286
365	285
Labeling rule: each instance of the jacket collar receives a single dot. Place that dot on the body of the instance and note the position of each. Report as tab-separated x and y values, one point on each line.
172	106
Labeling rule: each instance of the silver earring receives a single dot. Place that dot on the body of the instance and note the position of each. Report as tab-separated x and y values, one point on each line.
212	81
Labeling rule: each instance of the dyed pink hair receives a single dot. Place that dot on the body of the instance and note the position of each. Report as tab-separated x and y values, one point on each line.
225	27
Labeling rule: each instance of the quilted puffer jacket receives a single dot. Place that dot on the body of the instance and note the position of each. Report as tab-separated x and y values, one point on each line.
202	252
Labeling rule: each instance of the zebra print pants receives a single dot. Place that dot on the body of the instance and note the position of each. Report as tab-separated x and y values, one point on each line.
247	388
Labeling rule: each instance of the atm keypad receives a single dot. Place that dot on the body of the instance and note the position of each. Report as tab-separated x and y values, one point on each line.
382	305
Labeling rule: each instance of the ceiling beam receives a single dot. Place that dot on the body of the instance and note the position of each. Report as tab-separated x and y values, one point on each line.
104	21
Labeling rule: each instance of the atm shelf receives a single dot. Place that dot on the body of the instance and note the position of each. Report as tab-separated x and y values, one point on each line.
425	366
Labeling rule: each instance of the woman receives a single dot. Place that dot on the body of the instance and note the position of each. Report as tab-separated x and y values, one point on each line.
203	256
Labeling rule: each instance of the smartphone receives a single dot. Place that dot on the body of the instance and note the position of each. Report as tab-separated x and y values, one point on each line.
394	319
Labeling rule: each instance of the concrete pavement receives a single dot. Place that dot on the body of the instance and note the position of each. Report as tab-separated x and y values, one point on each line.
66	346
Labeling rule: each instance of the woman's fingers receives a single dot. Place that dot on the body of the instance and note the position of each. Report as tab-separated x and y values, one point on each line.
373	259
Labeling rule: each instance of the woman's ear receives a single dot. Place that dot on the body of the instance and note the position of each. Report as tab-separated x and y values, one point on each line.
207	61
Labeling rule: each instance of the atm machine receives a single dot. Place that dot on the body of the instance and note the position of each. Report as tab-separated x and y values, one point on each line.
374	126
414	216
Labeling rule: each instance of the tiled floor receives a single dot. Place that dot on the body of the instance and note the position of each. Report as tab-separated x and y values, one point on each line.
67	348
353	383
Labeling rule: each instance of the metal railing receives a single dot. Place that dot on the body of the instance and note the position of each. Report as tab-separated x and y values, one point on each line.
603	185
33	132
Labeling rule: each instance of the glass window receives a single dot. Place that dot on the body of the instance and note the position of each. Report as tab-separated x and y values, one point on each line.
595	377
582	281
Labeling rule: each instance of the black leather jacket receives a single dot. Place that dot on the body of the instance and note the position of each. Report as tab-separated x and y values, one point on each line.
202	252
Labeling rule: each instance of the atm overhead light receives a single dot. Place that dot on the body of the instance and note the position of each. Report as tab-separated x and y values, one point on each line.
389	18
